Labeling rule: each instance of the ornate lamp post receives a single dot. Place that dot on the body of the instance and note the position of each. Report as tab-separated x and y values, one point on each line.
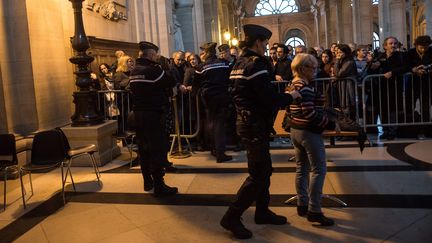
86	112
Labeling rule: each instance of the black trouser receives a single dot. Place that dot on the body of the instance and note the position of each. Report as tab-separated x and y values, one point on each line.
152	141
420	88
216	109
255	138
391	97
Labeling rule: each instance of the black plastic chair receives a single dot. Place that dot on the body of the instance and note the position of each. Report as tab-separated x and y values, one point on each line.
73	153
48	152
8	158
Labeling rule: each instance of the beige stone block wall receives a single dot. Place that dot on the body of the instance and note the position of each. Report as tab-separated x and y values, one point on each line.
19	114
53	83
282	23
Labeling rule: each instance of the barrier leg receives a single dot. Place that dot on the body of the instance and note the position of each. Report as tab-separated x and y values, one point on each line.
180	153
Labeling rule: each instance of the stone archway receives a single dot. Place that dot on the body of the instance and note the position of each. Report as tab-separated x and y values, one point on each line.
303	31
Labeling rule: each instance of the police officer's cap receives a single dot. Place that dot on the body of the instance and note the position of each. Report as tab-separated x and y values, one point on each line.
423	40
145	45
223	47
210	46
254	31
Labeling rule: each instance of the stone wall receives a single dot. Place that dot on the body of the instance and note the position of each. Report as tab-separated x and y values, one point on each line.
280	24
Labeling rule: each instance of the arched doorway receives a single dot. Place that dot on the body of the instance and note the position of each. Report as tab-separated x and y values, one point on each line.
295	37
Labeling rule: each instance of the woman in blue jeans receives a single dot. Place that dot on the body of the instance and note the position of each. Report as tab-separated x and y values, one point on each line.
307	120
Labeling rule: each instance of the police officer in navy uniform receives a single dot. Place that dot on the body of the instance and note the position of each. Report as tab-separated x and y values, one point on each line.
148	84
213	78
254	98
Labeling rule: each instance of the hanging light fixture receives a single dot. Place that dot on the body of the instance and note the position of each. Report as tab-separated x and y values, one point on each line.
234	42
227	35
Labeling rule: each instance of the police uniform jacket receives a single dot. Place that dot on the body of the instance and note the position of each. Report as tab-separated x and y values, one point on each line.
148	84
252	89
213	77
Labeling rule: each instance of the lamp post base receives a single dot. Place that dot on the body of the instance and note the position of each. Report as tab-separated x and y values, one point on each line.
86	112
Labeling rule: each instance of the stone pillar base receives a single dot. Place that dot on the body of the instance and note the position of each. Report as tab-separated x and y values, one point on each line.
101	135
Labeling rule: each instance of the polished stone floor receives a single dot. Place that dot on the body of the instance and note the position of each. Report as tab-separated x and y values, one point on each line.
388	189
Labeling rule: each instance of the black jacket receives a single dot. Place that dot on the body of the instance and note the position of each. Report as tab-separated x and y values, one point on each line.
252	89
283	68
213	77
394	63
149	84
345	68
414	59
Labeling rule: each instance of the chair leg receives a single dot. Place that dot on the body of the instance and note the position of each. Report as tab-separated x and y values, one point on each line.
95	166
4	188
22	188
63	184
70	173
31	183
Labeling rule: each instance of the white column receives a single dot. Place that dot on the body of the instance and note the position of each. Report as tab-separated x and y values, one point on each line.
362	21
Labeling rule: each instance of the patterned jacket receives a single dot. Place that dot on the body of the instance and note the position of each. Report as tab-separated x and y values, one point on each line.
308	113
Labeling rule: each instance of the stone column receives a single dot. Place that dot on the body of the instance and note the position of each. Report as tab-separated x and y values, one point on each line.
362	21
428	15
157	24
316	14
338	20
199	27
324	9
184	12
392	20
346	24
211	20
18	111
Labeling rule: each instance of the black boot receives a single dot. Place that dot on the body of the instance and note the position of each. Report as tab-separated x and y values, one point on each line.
222	157
269	217
302	211
169	166
231	222
320	218
162	189
148	183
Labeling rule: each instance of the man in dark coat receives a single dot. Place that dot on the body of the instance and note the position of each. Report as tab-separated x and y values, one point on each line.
148	84
419	60
283	66
391	64
254	98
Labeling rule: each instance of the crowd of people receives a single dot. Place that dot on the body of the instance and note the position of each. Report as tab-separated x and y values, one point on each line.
238	100
346	63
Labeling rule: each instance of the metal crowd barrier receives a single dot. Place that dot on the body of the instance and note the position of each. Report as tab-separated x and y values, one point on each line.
115	105
339	93
186	109
404	100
